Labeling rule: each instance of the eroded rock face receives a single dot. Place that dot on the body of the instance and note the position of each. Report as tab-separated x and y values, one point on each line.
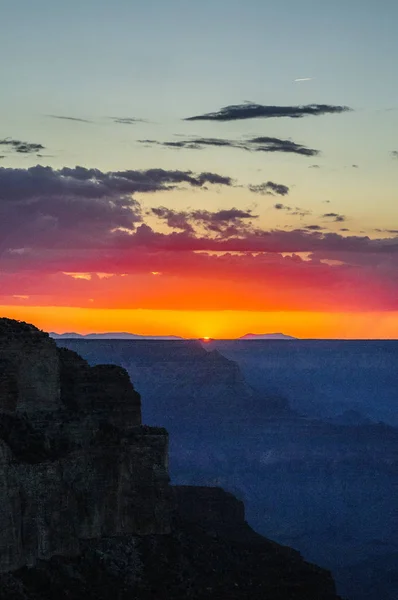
29	369
75	462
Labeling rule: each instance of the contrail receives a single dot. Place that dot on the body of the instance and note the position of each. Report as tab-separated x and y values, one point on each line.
304	79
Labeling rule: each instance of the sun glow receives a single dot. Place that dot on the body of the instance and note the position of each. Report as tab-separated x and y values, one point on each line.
218	324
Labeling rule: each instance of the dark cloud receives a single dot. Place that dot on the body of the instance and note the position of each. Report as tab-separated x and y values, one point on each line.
335	216
79	207
394	153
21	147
355	166
226	215
174	219
270	188
255	111
64	118
84	220
257	144
92	183
258	240
280	206
228	222
314	227
314	167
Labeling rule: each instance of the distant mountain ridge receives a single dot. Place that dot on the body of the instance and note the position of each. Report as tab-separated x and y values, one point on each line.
112	336
121	335
267	336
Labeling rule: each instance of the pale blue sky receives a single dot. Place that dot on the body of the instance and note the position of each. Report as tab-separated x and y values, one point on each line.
165	60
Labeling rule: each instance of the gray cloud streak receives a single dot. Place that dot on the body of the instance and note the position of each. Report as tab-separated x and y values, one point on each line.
251	110
257	144
65	118
21	147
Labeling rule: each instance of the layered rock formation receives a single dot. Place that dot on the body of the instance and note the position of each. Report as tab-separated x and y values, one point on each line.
86	509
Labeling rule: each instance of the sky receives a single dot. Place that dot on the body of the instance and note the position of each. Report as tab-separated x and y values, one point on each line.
200	169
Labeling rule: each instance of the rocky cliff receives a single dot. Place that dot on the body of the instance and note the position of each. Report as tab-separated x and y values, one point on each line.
75	462
86	509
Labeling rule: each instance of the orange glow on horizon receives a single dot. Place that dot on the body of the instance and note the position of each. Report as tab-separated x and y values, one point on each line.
218	324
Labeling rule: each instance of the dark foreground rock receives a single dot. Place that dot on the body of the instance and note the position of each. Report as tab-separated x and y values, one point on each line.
86	507
203	558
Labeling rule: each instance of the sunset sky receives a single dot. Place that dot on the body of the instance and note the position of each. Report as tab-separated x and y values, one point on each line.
205	168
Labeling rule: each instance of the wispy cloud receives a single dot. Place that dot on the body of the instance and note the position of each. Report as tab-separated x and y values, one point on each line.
250	110
393	231
335	216
302	79
128	120
65	118
257	144
394	153
21	147
297	211
270	188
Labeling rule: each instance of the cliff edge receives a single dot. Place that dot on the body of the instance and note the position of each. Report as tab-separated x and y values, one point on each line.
86	508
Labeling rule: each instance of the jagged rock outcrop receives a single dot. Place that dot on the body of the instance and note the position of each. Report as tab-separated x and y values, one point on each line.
29	369
86	509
